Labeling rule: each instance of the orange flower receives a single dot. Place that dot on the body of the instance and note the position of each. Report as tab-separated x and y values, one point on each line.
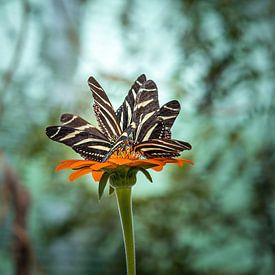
115	153
97	169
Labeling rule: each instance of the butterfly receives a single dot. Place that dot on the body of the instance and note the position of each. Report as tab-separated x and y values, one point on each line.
139	124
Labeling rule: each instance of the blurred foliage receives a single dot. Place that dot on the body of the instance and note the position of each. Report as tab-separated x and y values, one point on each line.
217	58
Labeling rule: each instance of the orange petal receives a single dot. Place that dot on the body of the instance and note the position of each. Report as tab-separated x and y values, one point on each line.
158	168
83	163
137	163
97	175
181	161
101	165
120	161
154	162
65	164
79	173
144	162
172	160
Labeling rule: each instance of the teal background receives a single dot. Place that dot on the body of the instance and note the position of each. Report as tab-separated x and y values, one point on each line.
216	58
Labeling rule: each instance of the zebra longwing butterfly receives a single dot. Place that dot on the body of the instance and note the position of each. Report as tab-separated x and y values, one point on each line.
152	134
138	123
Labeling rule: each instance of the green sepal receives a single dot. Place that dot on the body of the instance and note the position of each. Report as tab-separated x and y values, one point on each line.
123	177
131	177
146	174
102	184
111	190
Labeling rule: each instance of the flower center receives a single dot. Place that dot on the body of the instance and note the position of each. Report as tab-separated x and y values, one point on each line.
126	153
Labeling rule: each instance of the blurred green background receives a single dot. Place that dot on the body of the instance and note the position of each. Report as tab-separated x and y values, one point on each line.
216	58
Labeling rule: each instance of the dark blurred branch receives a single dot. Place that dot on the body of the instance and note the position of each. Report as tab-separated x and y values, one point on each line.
72	30
17	196
17	54
213	78
263	211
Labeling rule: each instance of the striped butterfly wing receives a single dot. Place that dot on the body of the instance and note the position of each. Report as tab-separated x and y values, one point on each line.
162	148
81	136
125	112
80	124
104	111
145	110
166	117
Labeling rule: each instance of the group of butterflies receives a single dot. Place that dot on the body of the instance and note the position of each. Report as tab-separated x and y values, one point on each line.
139	125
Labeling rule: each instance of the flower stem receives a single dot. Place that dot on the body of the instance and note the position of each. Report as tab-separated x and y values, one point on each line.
124	202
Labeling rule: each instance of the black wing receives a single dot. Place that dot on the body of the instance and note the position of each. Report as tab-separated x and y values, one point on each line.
104	111
145	109
89	144
162	148
125	112
166	117
80	124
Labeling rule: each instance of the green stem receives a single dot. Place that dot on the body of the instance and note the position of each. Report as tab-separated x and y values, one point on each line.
124	202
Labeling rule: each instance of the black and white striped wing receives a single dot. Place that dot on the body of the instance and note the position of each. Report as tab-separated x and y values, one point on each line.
125	112
166	117
104	111
89	144
145	110
80	124
162	148
169	112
